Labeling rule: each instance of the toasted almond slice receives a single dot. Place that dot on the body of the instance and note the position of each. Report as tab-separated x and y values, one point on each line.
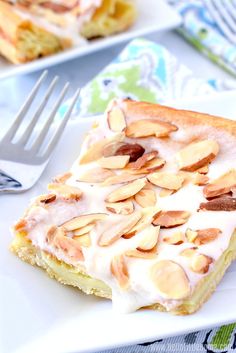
140	254
189	252
83	220
52	232
95	175
203	170
166	180
83	240
66	191
166	192
116	120
175	238
202	236
95	151
69	246
140	162
220	186
119	270
149	127
219	204
133	150
169	219
200	179
150	237
123	207
62	178
20	225
197	155
146	197
84	230
121	179
126	191
114	162
111	148
200	263
170	280
47	198
154	164
148	215
114	232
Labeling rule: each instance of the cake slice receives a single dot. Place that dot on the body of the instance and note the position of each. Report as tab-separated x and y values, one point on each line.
32	29
146	215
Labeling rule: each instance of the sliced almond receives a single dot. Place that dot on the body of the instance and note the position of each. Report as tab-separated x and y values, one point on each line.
220	186
175	238
47	198
146	197
203	170
166	192
116	230
170	280
166	180
20	225
189	252
83	240
119	270
116	120
95	150
95	175
123	207
149	238
140	254
200	179
202	236
200	263
219	204
69	246
114	162
110	148
148	214
140	162
126	191
84	230
83	220
62	178
197	155
51	233
149	127
154	164
133	150
170	219
66	191
121	179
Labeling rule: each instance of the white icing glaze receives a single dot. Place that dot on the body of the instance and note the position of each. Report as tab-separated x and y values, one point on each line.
142	291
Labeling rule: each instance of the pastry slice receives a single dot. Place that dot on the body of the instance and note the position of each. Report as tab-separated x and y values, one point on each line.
146	215
32	29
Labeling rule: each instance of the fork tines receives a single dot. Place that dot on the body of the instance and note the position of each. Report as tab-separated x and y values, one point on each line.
18	150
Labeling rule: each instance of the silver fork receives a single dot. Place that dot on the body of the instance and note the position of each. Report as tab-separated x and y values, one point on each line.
223	13
21	166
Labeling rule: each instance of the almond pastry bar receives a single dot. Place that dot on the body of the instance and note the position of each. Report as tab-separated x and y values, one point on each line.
33	28
146	215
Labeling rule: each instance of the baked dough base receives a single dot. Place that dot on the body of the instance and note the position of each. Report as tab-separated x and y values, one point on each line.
77	277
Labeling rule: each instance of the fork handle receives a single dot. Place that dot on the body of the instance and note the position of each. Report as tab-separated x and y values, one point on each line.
8	183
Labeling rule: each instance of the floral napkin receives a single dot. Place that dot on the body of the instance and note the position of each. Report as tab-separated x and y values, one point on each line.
199	28
147	71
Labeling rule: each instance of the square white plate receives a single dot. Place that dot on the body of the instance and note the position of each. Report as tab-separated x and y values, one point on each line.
40	315
153	16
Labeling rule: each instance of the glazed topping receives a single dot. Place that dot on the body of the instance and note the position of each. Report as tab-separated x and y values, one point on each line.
137	210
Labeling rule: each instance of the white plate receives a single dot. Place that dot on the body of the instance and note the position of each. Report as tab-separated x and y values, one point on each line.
40	315
153	16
